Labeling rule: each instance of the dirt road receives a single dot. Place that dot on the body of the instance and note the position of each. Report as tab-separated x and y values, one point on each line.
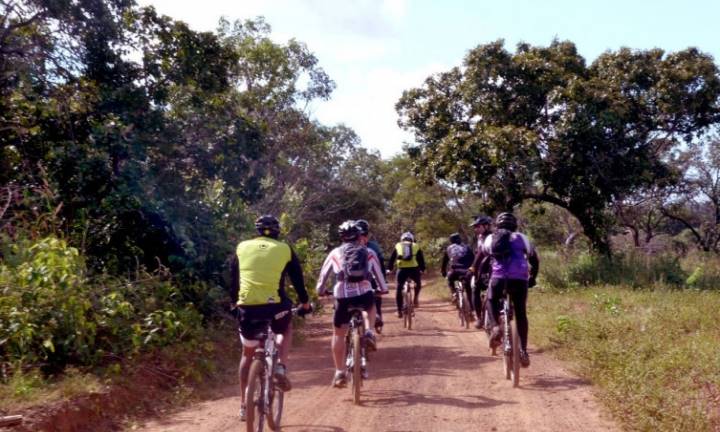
437	377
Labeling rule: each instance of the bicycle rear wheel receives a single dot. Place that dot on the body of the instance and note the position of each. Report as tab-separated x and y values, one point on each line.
460	304
515	353
466	309
254	398
276	398
356	372
409	307
507	356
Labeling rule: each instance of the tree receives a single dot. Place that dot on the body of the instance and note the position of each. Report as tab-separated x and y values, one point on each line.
539	124
695	201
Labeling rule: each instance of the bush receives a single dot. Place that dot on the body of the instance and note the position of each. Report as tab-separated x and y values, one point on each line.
52	314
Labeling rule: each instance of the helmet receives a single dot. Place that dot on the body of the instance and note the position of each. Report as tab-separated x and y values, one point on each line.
348	230
267	225
363	226
481	220
407	236
455	238
507	221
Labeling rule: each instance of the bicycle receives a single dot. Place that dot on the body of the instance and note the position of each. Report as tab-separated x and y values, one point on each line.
264	400
510	342
355	352
408	310
464	306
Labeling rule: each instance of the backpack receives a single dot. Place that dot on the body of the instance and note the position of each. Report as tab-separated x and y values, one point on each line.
355	262
458	255
500	247
407	251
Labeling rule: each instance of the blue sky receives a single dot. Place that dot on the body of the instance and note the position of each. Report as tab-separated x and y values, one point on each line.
375	49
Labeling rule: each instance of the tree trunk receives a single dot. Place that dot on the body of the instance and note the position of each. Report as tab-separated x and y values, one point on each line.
593	229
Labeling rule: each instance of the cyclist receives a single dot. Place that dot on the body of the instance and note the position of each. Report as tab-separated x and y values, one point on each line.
364	228
481	225
258	272
514	266
353	264
411	264
460	257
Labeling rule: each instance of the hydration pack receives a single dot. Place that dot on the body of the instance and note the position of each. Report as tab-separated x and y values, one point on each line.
355	262
500	246
459	255
407	251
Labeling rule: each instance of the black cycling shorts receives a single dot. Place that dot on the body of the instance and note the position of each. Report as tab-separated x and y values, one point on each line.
341	316
252	320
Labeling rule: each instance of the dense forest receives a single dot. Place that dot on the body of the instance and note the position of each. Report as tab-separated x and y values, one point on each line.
135	153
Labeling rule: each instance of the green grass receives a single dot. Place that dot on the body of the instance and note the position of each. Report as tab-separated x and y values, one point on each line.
653	355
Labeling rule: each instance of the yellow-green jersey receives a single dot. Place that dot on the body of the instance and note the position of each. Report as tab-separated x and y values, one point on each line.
259	270
407	254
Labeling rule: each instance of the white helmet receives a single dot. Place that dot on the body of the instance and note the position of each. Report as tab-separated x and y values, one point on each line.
407	236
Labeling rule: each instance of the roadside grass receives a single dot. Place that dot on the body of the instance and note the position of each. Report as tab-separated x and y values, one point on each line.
25	389
653	355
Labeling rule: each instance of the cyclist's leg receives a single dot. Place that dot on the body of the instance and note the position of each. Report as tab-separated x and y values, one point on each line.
341	318
450	282
518	293
464	277
401	278
493	303
282	327
248	331
415	275
476	298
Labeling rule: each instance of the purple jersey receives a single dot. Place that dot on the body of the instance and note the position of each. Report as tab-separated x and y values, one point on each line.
516	267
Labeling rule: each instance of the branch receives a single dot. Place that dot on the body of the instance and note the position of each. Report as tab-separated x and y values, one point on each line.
687	224
547	198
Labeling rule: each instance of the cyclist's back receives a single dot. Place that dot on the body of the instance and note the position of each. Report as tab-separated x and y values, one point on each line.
410	261
456	262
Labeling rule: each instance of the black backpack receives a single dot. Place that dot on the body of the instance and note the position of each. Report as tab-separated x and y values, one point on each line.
355	262
500	246
458	255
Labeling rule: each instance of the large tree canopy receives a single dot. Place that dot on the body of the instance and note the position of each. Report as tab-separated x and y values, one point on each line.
540	124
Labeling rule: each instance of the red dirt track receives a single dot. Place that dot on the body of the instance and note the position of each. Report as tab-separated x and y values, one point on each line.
436	377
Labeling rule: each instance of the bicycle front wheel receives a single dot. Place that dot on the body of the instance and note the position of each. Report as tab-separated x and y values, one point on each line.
356	372
515	354
254	398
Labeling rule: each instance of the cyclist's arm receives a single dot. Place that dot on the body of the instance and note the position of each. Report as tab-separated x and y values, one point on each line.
391	261
421	260
377	273
534	262
294	270
234	279
443	266
324	275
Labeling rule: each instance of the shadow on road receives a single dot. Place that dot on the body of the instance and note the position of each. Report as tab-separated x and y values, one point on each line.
403	398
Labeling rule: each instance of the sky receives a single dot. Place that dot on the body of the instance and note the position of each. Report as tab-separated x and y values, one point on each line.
375	49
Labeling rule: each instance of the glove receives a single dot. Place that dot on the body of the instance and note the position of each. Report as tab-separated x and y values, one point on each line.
531	282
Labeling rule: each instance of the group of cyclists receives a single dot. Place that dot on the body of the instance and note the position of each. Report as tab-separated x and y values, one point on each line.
502	260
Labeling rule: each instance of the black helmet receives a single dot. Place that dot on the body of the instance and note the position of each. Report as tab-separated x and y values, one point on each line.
348	230
363	226
481	220
506	221
455	238
268	225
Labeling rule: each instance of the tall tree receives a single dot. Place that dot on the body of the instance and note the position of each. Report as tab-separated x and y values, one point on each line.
540	124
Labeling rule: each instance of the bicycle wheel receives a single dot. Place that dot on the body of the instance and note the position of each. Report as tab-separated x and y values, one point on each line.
466	309
515	353
276	398
507	356
410	308
356	372
460	305
255	405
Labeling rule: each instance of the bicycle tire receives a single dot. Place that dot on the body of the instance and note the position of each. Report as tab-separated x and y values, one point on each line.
466	309
276	398
515	353
356	372
507	357
255	409
460	305
410	307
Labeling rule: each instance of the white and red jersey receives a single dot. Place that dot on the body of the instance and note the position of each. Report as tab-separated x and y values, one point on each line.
343	289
